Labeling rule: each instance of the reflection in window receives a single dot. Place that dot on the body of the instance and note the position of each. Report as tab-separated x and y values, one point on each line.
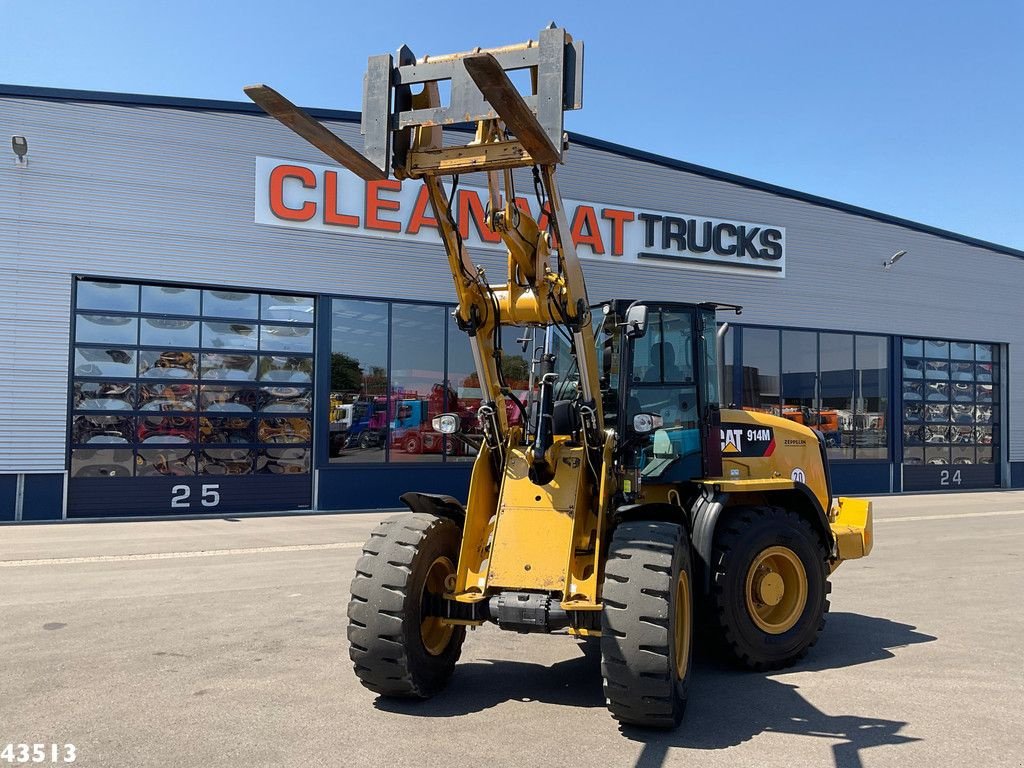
116	297
103	429
161	331
167	429
227	461
102	462
226	429
93	361
167	397
287	430
107	329
227	397
359	381
229	336
286	338
871	407
665	352
168	462
170	300
225	366
282	461
837	415
761	369
799	376
292	309
298	370
417	382
287	400
231	304
104	396
167	365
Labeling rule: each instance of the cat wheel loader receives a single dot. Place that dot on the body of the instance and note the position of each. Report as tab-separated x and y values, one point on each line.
625	503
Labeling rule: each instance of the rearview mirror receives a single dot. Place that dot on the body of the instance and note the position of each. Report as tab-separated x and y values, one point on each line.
647	422
636	321
446	423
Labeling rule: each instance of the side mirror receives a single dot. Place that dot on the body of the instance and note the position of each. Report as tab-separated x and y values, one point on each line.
643	423
636	321
446	423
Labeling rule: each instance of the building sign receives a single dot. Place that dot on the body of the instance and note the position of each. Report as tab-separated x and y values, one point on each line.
330	199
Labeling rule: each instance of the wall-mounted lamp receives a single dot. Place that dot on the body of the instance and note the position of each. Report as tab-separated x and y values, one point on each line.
888	263
20	146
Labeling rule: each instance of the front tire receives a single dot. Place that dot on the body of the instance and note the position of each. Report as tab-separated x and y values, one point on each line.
647	624
398	646
769	586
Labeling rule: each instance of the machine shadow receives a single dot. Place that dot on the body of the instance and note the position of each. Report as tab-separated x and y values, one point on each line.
727	706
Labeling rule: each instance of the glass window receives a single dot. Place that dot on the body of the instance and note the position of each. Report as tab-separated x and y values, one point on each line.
282	461
227	366
799	376
172	462
160	396
227	461
233	304
286	400
230	336
95	361
286	368
359	380
167	429
728	344
103	429
761	389
286	338
104	396
291	309
226	429
116	297
418	387
871	407
170	300
167	364
960	350
465	395
231	398
710	343
102	462
665	353
161	331
107	329
837	415
291	429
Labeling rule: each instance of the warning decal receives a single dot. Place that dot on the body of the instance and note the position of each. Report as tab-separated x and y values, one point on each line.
741	440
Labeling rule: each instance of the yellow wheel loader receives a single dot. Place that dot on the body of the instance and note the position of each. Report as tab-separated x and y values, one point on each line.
623	503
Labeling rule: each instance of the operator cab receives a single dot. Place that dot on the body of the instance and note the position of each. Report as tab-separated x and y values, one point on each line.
659	386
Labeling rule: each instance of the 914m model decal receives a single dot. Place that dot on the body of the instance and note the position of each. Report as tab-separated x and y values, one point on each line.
741	440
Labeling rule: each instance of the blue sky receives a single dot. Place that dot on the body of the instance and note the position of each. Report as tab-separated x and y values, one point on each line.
912	108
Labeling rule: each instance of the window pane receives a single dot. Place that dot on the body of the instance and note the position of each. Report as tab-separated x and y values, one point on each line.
417	382
103	429
226	461
799	372
287	400
286	338
174	462
913	348
92	361
936	455
230	398
170	300
227	429
836	418
665	353
727	367
225	366
167	429
939	349
465	387
159	331
298	370
359	380
120	297
167	397
963	454
293	309
102	462
287	430
107	329
112	396
231	304
983	353
960	350
167	365
282	461
760	355
872	404
229	336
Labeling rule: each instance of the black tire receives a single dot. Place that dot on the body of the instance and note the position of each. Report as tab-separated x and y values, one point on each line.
645	665
387	608
750	534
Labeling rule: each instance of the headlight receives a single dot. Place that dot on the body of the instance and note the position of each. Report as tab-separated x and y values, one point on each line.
446	423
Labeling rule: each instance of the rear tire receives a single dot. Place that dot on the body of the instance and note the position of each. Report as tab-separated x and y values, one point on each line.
769	586
647	624
397	647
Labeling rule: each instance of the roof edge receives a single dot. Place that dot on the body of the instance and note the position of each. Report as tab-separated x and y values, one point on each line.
179	102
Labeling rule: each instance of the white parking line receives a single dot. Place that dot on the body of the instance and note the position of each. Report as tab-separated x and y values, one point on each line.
179	555
954	516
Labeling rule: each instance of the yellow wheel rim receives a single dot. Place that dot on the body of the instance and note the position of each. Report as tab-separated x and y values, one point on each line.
683	625
776	590
434	632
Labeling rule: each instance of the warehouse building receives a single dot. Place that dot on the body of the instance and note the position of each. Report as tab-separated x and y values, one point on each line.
200	315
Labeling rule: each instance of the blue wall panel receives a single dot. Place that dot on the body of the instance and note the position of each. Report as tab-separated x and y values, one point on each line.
44	497
860	477
8	494
380	487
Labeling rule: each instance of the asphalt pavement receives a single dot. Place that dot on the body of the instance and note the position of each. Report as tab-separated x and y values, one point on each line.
221	642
